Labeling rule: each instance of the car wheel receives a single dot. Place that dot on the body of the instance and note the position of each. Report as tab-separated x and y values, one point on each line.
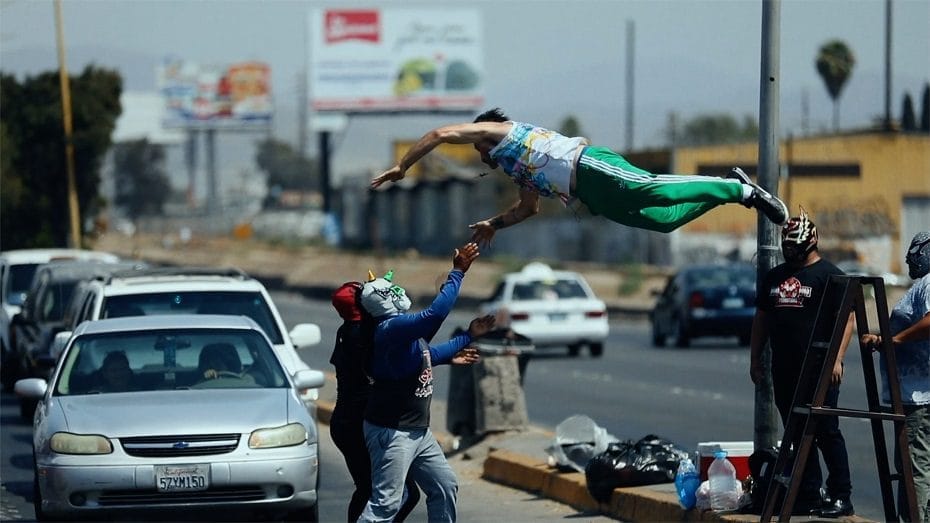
681	337
597	349
658	339
574	350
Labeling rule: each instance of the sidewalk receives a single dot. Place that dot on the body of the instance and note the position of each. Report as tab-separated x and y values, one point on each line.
518	459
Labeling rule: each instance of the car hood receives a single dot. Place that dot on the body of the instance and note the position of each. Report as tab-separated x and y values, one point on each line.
179	411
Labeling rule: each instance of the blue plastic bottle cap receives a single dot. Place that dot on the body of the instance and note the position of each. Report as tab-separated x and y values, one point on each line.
720	454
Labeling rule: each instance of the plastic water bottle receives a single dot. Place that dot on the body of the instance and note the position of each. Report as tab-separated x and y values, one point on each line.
725	490
687	482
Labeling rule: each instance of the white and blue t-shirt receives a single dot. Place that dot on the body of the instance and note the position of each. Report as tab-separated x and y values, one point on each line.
538	159
913	358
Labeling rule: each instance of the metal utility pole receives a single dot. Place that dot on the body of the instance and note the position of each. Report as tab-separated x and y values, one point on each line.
325	171
74	212
630	42
765	420
887	65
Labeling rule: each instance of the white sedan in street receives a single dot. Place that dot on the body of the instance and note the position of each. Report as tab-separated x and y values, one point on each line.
551	308
177	416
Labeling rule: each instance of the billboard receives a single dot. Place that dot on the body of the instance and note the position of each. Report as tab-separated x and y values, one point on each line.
395	59
198	96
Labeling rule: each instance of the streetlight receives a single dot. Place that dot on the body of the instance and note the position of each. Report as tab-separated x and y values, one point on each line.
66	117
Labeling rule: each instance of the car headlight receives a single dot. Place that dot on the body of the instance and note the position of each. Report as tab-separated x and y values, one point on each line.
67	443
286	436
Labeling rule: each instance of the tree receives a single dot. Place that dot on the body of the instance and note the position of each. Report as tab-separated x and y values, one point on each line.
285	167
142	187
712	129
570	127
908	120
835	63
35	209
925	110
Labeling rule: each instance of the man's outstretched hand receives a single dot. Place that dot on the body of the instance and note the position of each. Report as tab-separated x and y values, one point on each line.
391	175
483	234
480	326
463	256
466	356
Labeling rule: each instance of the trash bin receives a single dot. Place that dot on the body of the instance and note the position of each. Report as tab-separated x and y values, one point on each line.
488	396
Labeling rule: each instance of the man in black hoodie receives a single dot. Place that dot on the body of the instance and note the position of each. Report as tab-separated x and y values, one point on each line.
351	358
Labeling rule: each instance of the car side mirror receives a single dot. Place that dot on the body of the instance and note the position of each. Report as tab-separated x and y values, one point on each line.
309	379
31	388
305	335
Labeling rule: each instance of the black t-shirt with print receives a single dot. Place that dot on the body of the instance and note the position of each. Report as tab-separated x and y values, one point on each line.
791	297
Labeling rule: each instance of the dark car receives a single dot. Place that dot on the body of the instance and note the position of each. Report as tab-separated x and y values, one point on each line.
42	316
706	300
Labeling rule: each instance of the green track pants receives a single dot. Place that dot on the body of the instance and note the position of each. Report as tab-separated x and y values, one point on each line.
613	187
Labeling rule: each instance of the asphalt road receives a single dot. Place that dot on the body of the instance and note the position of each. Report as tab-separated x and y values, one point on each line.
686	395
702	393
479	500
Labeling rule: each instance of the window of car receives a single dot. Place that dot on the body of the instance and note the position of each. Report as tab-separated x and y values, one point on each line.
548	290
169	359
53	299
19	281
721	277
250	304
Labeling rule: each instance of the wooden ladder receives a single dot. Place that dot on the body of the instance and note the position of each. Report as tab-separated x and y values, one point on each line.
801	420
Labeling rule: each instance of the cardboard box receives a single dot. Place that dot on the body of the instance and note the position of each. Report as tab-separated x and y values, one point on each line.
738	453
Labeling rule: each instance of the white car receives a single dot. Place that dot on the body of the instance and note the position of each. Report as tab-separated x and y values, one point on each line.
185	417
192	290
551	308
17	268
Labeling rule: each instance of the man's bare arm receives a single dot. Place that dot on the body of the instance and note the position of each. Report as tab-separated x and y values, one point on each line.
526	206
460	134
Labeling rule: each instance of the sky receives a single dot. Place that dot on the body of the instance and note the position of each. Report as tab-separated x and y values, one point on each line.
544	60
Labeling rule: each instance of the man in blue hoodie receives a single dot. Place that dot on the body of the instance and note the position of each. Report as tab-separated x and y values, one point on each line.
398	412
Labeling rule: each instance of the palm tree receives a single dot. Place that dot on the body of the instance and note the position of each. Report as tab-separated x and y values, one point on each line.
835	62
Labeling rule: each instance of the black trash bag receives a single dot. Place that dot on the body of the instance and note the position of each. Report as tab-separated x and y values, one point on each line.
649	461
761	471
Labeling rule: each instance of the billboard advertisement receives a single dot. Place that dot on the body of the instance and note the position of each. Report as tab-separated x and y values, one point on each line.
395	59
208	96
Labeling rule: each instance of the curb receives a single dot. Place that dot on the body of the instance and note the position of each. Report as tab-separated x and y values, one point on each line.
534	475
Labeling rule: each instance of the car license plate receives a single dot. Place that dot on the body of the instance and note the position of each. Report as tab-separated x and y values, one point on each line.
179	478
557	316
732	303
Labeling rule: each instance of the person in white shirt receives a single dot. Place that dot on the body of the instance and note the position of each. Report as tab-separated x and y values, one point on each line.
545	163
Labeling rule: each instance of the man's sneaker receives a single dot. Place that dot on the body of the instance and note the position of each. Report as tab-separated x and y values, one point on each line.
773	208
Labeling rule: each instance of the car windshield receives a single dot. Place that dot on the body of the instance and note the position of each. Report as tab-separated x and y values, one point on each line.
250	304
721	277
20	281
548	290
169	359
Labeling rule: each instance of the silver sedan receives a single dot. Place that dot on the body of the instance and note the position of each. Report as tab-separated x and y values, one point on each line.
173	414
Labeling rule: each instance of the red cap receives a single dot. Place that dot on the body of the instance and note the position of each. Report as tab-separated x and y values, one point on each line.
345	301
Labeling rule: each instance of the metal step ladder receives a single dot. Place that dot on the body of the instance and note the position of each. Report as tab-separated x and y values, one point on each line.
805	407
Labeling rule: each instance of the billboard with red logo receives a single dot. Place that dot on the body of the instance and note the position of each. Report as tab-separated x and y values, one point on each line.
395	59
210	96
